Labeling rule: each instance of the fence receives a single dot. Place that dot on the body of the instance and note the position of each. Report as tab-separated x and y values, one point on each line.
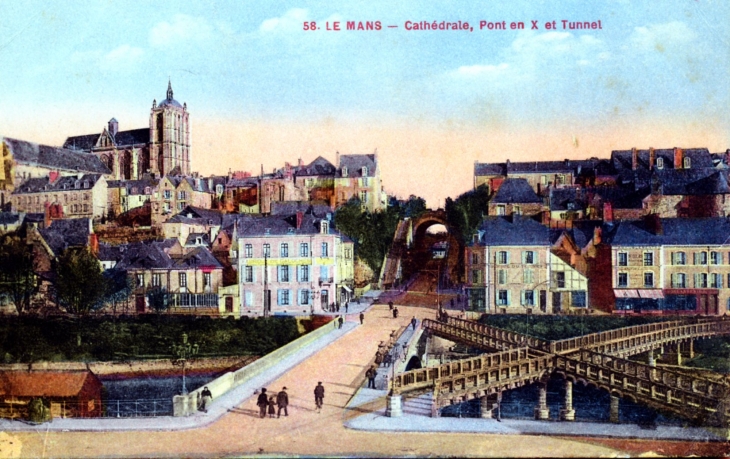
109	409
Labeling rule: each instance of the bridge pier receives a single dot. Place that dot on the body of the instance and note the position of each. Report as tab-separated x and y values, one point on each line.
652	360
542	412
613	413
568	413
393	408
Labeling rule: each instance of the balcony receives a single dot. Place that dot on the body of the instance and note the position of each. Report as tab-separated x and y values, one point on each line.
326	281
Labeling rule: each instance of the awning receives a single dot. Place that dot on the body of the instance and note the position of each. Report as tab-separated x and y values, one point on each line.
346	288
651	293
626	293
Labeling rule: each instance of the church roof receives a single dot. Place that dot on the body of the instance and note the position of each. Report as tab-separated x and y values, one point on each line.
53	157
169	102
121	139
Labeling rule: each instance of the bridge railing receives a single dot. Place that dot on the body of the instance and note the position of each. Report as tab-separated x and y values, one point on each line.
669	329
426	377
692	396
475	332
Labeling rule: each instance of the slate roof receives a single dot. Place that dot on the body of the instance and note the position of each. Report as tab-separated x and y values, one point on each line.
44	383
566	199
280	225
674	231
317	208
355	163
692	181
246	182
489	169
152	255
699	157
108	252
191	240
65	233
9	218
513	231
134	187
53	157
515	190
87	142
319	166
202	184
620	197
68	183
717	183
198	215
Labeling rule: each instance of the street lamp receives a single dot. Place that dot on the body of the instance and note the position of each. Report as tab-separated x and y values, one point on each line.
181	353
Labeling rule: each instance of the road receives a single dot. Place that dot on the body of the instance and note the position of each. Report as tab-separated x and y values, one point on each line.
341	367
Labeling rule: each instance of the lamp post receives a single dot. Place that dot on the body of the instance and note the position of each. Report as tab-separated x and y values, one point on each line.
267	298
181	353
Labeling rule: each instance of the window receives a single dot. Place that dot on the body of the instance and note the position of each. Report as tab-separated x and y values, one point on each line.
660	163
168	194
248	274
578	299
679	258
623	280
502	298
183	278
284	273
344	172
501	276
364	197
156	280
715	280
623	259
304	273
543	179
179	206
304	297
206	280
325	249
501	209
528	297
348	253
700	258
219	189
687	163
365	181
560	179
517	210
648	279
364	171
560	279
284	250
502	257
248	251
267	250
324	273
140	280
303	249
529	257
324	227
701	280
648	258
716	258
181	195
475	276
679	280
528	276
475	258
283	297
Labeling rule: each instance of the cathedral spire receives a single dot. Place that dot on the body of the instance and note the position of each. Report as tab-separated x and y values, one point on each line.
169	89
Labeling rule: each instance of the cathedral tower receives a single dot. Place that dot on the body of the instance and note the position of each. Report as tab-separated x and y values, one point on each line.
169	136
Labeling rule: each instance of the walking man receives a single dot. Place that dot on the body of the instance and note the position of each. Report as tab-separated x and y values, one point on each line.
414	321
371	374
206	398
362	318
263	403
340	322
319	396
282	401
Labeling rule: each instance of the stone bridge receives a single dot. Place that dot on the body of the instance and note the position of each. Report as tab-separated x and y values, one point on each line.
596	359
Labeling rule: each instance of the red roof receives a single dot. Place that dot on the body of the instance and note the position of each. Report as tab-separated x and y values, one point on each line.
43	383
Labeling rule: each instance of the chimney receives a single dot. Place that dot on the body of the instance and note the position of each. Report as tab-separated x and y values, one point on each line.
210	184
46	214
52	177
545	218
300	216
113	127
94	243
607	212
301	163
337	159
678	158
654	224
634	159
597	235
652	158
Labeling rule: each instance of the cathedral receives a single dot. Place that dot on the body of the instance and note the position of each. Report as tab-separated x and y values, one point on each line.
162	149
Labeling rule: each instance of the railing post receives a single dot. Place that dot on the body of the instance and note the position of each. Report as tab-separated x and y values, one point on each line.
568	413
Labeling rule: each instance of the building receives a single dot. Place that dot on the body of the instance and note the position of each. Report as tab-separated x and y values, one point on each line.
292	265
69	393
72	196
165	147
514	195
25	160
175	193
126	195
358	176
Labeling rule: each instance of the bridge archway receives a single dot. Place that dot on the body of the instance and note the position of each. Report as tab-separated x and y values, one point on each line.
414	364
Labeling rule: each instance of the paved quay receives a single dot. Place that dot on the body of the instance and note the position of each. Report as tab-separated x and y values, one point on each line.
232	426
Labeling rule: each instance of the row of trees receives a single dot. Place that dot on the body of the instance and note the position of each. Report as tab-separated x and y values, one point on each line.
465	213
373	232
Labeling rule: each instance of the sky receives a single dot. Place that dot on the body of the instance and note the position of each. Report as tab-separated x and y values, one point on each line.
261	90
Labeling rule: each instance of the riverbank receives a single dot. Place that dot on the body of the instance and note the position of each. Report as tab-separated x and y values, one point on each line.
138	368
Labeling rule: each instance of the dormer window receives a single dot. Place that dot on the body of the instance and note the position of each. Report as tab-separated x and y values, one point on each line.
219	189
324	227
660	163
86	185
147	190
687	163
365	171
77	184
344	172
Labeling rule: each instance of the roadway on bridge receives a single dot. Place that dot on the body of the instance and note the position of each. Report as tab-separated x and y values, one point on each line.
341	367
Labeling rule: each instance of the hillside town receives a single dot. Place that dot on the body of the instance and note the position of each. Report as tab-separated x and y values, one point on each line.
641	231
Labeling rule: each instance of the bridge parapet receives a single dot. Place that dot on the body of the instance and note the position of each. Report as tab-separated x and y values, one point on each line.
690	396
480	335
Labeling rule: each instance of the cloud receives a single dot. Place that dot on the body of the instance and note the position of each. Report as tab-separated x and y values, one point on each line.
290	21
123	55
659	37
182	28
480	70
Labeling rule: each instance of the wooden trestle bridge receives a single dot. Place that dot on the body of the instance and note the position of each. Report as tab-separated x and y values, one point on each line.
512	360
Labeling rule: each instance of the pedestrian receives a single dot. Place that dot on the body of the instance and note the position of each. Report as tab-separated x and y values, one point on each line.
340	321
319	396
262	402
378	358
414	321
346	307
206	398
362	318
272	406
282	401
452	303
390	305
387	359
371	374
395	312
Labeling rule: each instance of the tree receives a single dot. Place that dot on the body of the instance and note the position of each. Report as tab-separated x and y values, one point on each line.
17	271
119	286
159	299
80	284
466	212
